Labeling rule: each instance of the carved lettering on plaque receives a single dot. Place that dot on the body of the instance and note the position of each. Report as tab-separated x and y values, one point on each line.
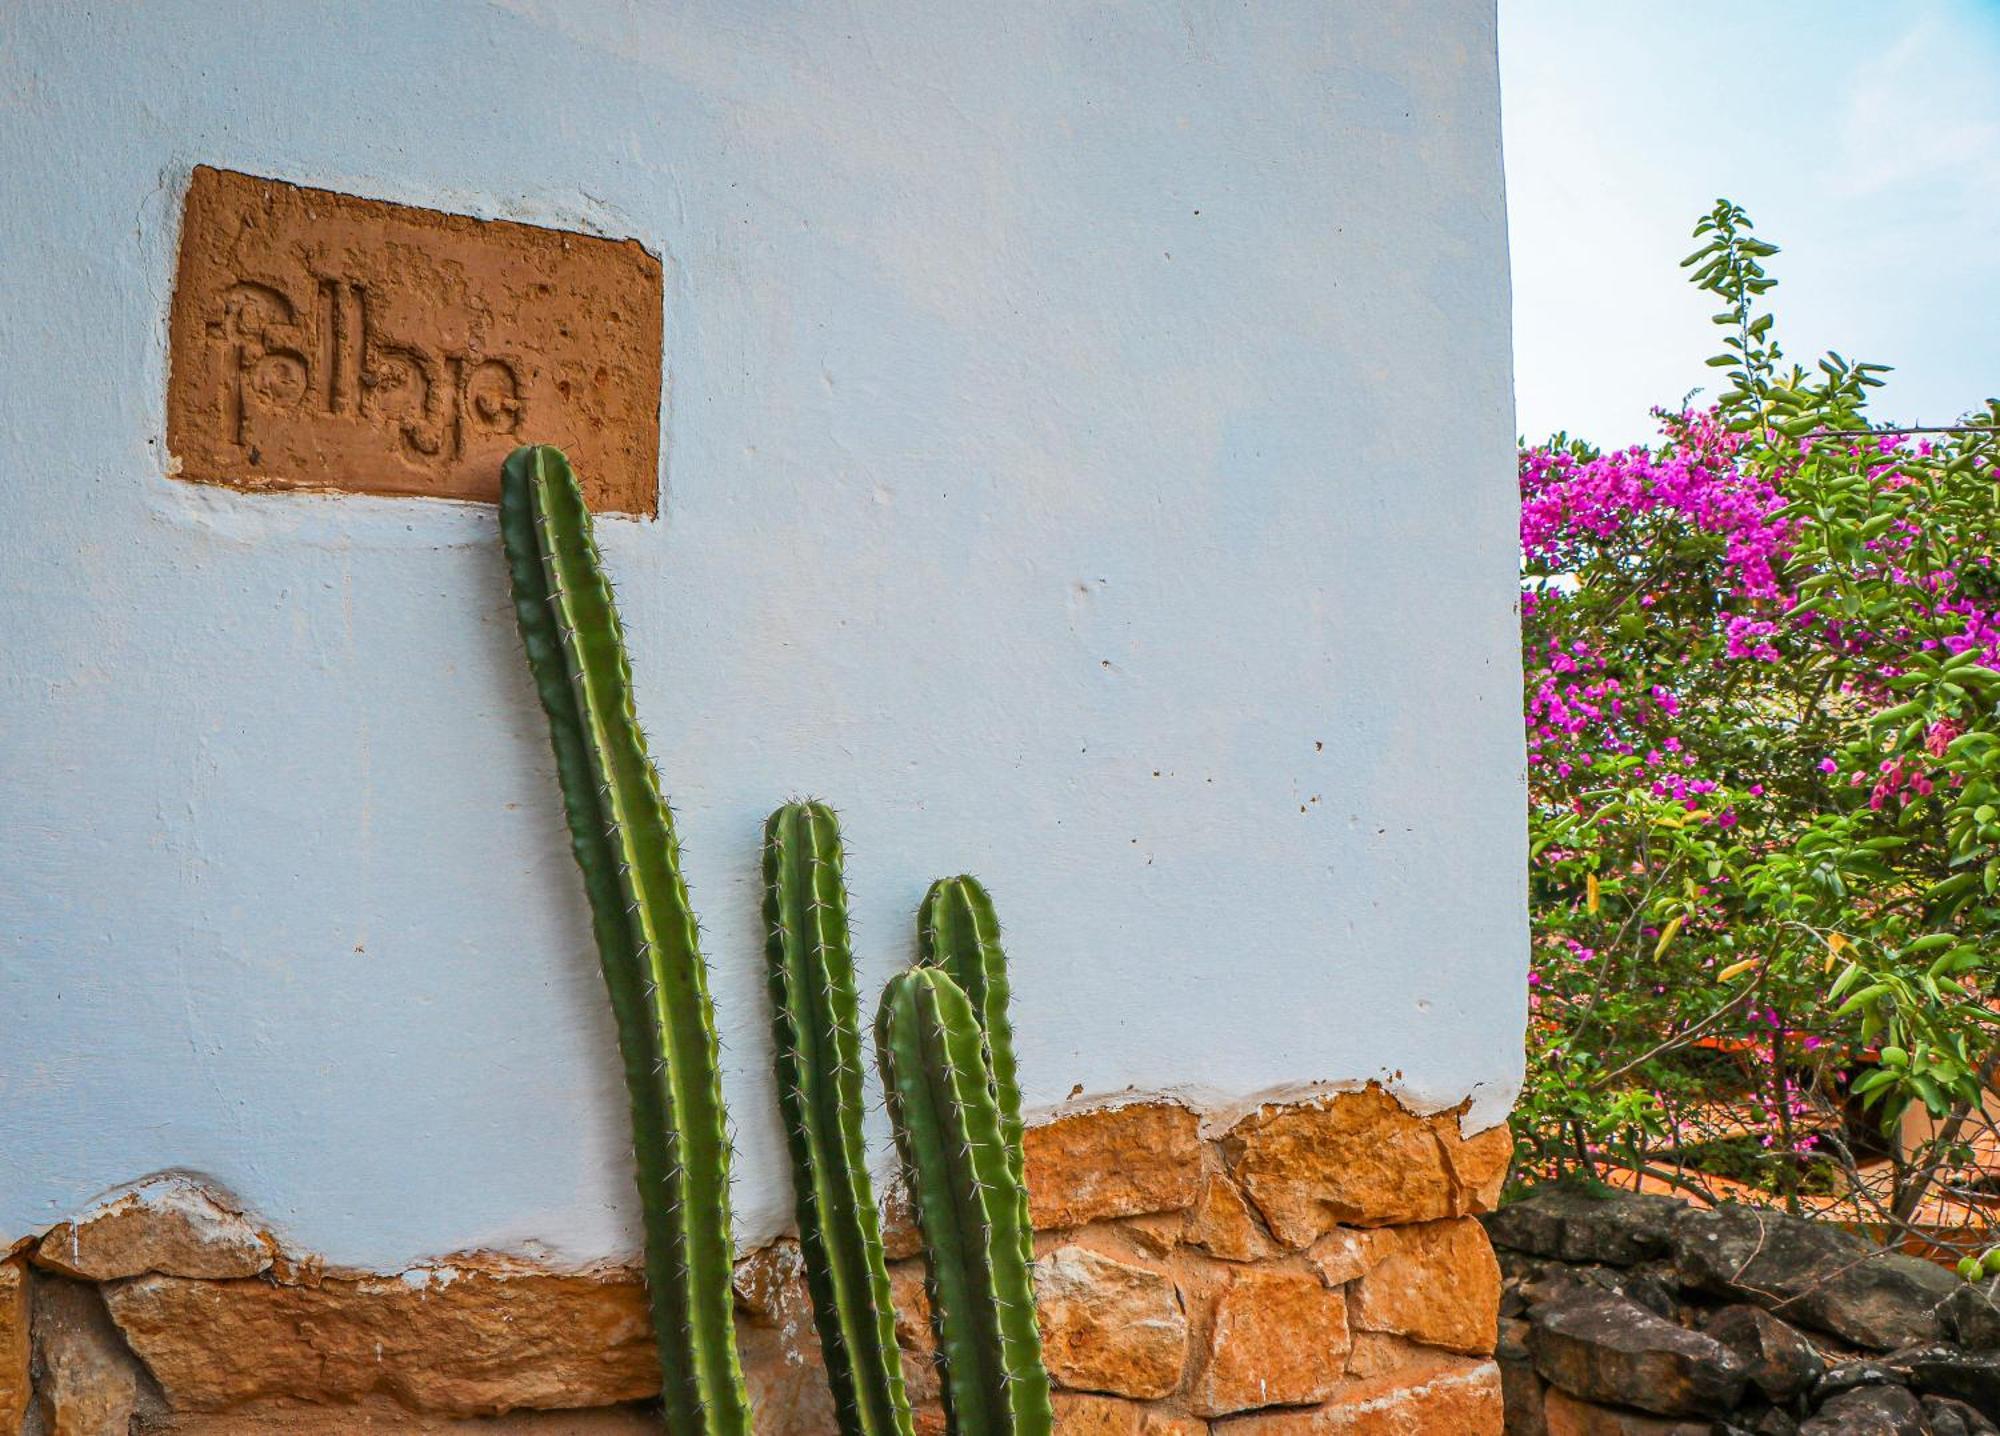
327	342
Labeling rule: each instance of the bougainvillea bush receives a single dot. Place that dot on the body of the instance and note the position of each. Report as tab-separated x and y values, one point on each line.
1763	710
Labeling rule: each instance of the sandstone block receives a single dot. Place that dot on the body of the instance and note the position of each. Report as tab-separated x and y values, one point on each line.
1349	1158
14	1348
1124	1161
1095	1416
1438	1284
88	1383
1453	1396
1109	1326
1346	1252
1223	1225
463	1340
1478	1163
169	1224
382	1417
1276	1339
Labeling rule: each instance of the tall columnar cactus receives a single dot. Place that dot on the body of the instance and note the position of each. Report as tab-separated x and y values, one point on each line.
953	1144
623	839
818	1046
957	931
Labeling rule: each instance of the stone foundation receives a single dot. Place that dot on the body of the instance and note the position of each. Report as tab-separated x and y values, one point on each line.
1311	1267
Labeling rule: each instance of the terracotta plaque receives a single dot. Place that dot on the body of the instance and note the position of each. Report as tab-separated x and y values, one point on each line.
320	341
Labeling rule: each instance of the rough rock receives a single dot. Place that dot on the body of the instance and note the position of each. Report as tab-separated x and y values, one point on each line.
1869	1411
1451	1396
1608	1349
1521	1387
1478	1164
14	1346
782	1367
1223	1225
1973	1314
382	1417
1814	1274
169	1224
901	1238
1537	1281
1165	1423
1971	1376
1955	1418
1438	1284
1564	1415
1095	1416
1374	1354
1113	1162
1275	1339
1781	1362
1568	1224
462	1339
86	1380
1109	1326
1848	1375
1348	1159
1346	1252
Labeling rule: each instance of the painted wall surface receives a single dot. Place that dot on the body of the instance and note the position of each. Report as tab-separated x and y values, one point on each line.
1088	462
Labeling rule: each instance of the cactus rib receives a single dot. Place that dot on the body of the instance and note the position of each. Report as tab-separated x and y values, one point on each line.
949	1133
623	839
815	1017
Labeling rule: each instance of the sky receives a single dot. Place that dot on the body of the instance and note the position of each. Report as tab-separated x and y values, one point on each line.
1863	139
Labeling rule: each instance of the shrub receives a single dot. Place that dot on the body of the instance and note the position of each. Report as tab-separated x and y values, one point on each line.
1762	669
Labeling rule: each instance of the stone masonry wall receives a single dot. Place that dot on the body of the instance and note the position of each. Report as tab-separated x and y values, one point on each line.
1314	1266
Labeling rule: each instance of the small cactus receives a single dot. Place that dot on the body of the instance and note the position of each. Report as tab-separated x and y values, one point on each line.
969	1204
623	838
818	1052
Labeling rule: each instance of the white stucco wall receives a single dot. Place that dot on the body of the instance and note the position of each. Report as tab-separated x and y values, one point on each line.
1087	461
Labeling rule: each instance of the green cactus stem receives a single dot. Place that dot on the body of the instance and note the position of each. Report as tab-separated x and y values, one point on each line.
624	843
958	932
816	1022
969	1207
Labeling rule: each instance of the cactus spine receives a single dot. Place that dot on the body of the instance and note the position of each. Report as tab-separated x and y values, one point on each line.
818	1045
969	1207
623	839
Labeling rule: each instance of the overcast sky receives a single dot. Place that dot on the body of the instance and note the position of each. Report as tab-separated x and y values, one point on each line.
1864	139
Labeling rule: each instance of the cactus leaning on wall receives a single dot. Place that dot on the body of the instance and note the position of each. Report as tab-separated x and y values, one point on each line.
624	842
818	1052
958	932
970	1207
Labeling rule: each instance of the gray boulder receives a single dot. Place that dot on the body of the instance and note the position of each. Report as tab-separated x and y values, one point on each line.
1782	1363
1814	1274
1606	1348
1970	1376
1952	1418
1869	1411
1567	1224
1973	1314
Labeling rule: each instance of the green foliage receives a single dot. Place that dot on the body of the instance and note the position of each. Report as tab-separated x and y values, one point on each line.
623	839
818	1047
962	1178
1764	728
